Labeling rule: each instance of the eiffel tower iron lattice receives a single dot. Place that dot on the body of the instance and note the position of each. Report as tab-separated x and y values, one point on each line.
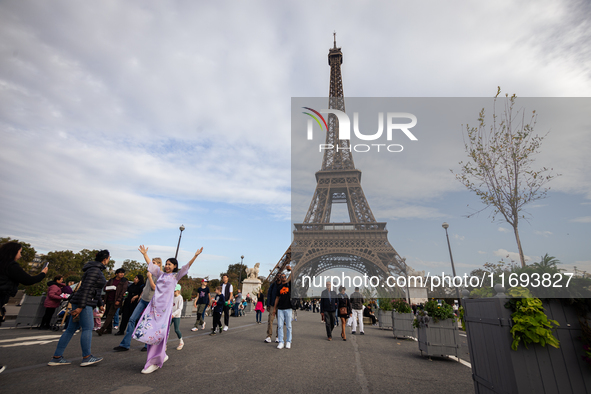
361	244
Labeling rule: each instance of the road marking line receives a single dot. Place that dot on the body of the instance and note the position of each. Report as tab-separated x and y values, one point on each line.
30	338
30	343
463	335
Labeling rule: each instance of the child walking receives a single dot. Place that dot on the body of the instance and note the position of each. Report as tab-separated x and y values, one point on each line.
217	309
177	309
153	327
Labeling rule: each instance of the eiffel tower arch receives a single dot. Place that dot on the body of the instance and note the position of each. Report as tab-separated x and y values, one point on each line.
318	244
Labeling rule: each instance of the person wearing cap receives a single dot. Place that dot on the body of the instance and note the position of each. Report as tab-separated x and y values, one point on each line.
201	304
177	309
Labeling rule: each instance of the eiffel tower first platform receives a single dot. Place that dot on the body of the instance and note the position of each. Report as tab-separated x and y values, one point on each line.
361	244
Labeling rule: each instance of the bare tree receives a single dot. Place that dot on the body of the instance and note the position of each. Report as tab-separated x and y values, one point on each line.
500	164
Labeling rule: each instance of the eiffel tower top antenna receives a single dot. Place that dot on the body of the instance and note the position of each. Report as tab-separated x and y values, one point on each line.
339	157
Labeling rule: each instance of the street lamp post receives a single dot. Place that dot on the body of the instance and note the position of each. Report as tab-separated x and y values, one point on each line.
182	228
453	268
241	265
406	274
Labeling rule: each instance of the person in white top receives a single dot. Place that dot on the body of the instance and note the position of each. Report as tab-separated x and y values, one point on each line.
177	309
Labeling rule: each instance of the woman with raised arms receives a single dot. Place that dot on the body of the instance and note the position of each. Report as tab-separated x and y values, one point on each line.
154	325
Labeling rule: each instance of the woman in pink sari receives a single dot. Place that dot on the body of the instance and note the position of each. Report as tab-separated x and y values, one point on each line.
154	325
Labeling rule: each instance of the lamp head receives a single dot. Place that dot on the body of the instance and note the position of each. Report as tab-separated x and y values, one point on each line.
182	228
445	225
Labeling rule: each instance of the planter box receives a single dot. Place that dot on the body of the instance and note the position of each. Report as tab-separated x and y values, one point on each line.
31	312
498	369
187	309
384	319
439	339
402	324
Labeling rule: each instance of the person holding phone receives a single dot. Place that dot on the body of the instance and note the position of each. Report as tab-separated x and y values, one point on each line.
11	275
84	300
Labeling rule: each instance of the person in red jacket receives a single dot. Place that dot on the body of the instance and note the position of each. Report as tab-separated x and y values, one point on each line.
52	300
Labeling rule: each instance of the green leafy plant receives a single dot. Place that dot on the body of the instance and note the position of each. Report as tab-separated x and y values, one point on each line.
401	306
462	320
439	312
530	323
386	304
433	311
483	292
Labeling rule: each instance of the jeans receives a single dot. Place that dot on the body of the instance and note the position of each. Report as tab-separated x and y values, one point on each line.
284	316
116	318
86	323
177	321
137	313
259	316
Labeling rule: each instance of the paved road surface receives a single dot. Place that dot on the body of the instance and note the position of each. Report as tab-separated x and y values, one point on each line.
237	361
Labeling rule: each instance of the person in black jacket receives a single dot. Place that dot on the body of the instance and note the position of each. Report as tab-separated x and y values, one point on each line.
134	291
344	302
271	295
328	306
11	275
84	300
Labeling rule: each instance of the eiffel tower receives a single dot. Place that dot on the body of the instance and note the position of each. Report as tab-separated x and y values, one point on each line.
318	245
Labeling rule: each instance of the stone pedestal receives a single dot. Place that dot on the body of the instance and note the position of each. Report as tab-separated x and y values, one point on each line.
251	286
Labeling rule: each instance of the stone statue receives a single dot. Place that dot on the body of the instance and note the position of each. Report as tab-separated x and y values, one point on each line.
253	273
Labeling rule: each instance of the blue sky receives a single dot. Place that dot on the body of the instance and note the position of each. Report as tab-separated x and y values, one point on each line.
122	121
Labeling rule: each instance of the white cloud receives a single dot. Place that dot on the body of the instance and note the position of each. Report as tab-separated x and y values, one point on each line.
582	219
543	233
481	252
504	230
512	256
459	237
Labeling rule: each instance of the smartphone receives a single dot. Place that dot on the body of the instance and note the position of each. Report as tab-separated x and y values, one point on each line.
46	265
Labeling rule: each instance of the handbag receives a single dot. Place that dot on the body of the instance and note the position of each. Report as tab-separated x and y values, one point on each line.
344	310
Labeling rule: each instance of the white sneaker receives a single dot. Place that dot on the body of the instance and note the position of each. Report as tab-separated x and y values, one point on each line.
203	327
276	340
150	369
194	329
180	346
165	359
288	345
268	340
280	346
225	328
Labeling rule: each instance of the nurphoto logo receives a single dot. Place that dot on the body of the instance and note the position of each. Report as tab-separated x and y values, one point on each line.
345	129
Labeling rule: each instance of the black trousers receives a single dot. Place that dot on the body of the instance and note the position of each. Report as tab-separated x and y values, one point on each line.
217	317
329	322
47	317
226	315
